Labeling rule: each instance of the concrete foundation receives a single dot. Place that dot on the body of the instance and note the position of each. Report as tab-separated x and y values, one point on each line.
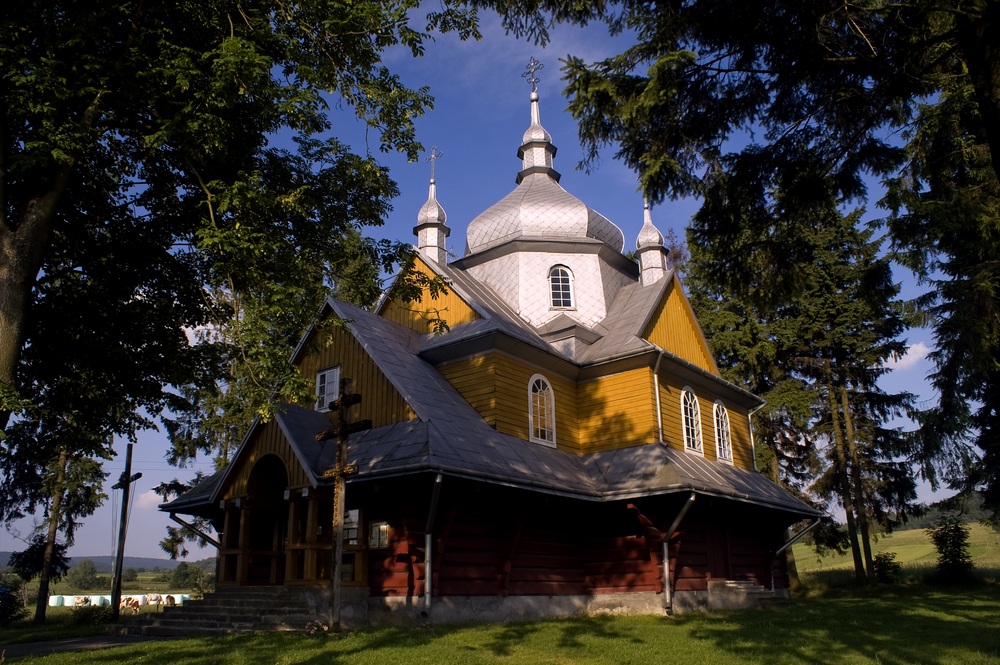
359	610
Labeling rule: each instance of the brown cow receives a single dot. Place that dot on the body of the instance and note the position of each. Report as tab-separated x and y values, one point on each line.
130	604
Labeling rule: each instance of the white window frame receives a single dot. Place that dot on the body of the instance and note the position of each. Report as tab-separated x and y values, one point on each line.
691	422
723	433
565	283
327	387
541	411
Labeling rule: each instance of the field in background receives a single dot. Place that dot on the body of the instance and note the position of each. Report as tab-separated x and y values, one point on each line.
914	551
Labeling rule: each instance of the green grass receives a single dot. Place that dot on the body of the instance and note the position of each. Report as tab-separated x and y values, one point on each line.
830	624
57	625
913	548
890	627
914	551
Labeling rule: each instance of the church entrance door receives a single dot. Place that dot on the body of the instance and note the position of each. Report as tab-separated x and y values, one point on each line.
267	521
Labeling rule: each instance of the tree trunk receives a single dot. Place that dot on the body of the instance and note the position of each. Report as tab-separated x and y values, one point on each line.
55	510
857	482
844	482
23	244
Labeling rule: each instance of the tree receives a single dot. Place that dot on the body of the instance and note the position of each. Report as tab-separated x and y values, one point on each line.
945	217
185	576
29	563
738	101
951	540
816	357
83	576
142	198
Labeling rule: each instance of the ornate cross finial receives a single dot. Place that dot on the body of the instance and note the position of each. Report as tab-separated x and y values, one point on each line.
434	155
533	67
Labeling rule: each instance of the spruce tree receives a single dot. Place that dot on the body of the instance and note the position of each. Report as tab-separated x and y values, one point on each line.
818	354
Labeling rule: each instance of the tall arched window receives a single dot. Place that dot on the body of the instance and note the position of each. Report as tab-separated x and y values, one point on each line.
691	421
542	411
561	287
723	438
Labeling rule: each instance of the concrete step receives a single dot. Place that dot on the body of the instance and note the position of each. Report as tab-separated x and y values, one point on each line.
227	611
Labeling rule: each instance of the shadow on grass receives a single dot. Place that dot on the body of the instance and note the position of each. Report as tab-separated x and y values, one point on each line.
902	627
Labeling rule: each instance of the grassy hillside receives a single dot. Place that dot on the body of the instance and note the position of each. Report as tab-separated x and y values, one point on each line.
104	563
914	551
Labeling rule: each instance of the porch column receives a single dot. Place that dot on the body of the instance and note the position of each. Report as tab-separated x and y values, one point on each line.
243	557
294	540
311	537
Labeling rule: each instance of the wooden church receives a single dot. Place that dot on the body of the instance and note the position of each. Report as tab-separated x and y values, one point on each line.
566	446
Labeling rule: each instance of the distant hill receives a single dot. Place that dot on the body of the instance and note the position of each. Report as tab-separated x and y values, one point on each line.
104	563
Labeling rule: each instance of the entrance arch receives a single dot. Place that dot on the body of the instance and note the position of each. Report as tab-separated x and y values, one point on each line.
267	521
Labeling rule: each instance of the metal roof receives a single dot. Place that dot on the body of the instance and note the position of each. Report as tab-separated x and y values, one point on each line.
449	436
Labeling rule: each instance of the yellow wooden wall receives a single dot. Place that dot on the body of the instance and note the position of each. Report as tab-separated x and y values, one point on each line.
674	328
419	315
497	386
673	435
617	411
380	401
267	439
609	412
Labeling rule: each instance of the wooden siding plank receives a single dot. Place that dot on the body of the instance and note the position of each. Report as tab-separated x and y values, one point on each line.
419	315
673	327
381	402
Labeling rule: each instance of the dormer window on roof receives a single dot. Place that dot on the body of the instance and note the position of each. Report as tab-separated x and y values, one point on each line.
561	287
327	387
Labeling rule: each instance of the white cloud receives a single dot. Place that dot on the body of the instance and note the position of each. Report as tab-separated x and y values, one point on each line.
914	355
148	500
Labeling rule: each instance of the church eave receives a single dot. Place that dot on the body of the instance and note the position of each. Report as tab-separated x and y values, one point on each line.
550	244
445	350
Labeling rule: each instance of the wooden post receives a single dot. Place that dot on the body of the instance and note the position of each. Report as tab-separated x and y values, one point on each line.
344	429
124	484
339	485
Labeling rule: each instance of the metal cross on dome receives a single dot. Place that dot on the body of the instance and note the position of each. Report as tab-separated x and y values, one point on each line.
533	66
434	155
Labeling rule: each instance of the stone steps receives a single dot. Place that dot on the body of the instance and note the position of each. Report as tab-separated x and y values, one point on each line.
228	611
741	593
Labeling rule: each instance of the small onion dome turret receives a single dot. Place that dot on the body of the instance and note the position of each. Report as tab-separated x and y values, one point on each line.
539	207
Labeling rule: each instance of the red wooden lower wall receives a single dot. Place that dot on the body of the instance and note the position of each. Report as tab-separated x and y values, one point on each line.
495	541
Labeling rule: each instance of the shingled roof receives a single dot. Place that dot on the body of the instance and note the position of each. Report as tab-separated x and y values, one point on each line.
449	436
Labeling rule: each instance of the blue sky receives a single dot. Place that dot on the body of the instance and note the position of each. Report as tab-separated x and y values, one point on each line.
481	111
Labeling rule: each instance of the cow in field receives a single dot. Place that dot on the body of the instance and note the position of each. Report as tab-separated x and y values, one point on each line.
154	599
81	601
169	601
130	604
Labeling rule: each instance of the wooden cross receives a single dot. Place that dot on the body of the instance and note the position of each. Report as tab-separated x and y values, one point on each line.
341	468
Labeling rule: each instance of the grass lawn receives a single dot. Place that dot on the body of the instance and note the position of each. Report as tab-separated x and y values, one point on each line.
895	626
914	551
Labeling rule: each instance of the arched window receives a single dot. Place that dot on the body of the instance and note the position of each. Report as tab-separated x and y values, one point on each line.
691	421
723	438
561	287
541	411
